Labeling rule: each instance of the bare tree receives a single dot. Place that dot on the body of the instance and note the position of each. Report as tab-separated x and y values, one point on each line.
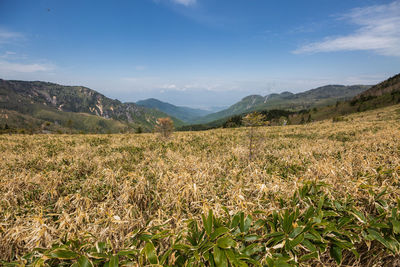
252	121
165	126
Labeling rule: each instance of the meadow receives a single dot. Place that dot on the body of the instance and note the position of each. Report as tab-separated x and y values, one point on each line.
105	190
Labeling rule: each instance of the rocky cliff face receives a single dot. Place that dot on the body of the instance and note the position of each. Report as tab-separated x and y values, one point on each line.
32	97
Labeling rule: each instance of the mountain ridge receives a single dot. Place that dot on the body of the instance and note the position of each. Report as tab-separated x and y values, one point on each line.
59	105
185	114
319	96
388	86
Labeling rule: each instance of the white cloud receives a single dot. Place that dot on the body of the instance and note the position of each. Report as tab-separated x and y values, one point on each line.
185	2
379	31
169	86
7	67
7	36
140	67
8	54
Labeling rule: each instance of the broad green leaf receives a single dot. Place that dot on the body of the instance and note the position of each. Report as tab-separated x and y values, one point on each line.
127	253
235	221
336	253
393	244
181	247
287	222
226	242
379	225
281	263
359	216
308	213
247	223
377	236
38	263
320	203
165	257
219	231
354	251
63	254
252	249
296	231
310	246
150	252
219	257
317	236
309	256
343	244
330	213
343	221
96	255
396	225
241	226
83	261
232	257
101	247
250	238
113	261
274	234
296	241
208	222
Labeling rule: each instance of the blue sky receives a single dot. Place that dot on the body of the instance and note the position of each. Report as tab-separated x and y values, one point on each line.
199	53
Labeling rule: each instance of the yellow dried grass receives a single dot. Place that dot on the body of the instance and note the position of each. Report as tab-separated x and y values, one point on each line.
108	185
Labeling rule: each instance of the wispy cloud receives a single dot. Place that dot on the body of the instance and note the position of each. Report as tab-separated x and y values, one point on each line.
7	67
8	54
169	86
185	2
378	31
7	36
140	67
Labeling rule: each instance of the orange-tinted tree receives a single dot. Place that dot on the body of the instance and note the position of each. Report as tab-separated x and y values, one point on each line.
165	126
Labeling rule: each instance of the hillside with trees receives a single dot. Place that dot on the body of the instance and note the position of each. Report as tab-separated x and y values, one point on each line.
43	106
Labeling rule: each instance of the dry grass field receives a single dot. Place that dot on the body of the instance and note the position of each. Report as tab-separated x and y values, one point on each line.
103	187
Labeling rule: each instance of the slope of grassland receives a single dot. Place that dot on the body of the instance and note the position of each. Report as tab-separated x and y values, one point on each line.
103	187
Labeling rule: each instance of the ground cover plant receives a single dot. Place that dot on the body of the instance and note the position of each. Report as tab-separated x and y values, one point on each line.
322	193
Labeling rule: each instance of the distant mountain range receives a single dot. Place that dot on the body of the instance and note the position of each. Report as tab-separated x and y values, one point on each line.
183	113
320	96
383	94
54	107
48	107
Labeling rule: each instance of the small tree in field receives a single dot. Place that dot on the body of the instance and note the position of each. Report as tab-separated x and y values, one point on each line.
252	121
165	126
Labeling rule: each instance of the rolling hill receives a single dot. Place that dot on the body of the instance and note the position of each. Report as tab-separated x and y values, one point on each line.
183	113
320	96
388	86
381	95
52	107
384	94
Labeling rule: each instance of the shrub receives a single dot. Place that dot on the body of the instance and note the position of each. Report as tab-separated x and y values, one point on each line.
165	126
252	121
338	119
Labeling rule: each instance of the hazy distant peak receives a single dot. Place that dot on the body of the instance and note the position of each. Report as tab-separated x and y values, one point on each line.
320	96
185	114
252	97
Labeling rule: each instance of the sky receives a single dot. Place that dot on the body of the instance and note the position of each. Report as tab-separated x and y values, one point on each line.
199	53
